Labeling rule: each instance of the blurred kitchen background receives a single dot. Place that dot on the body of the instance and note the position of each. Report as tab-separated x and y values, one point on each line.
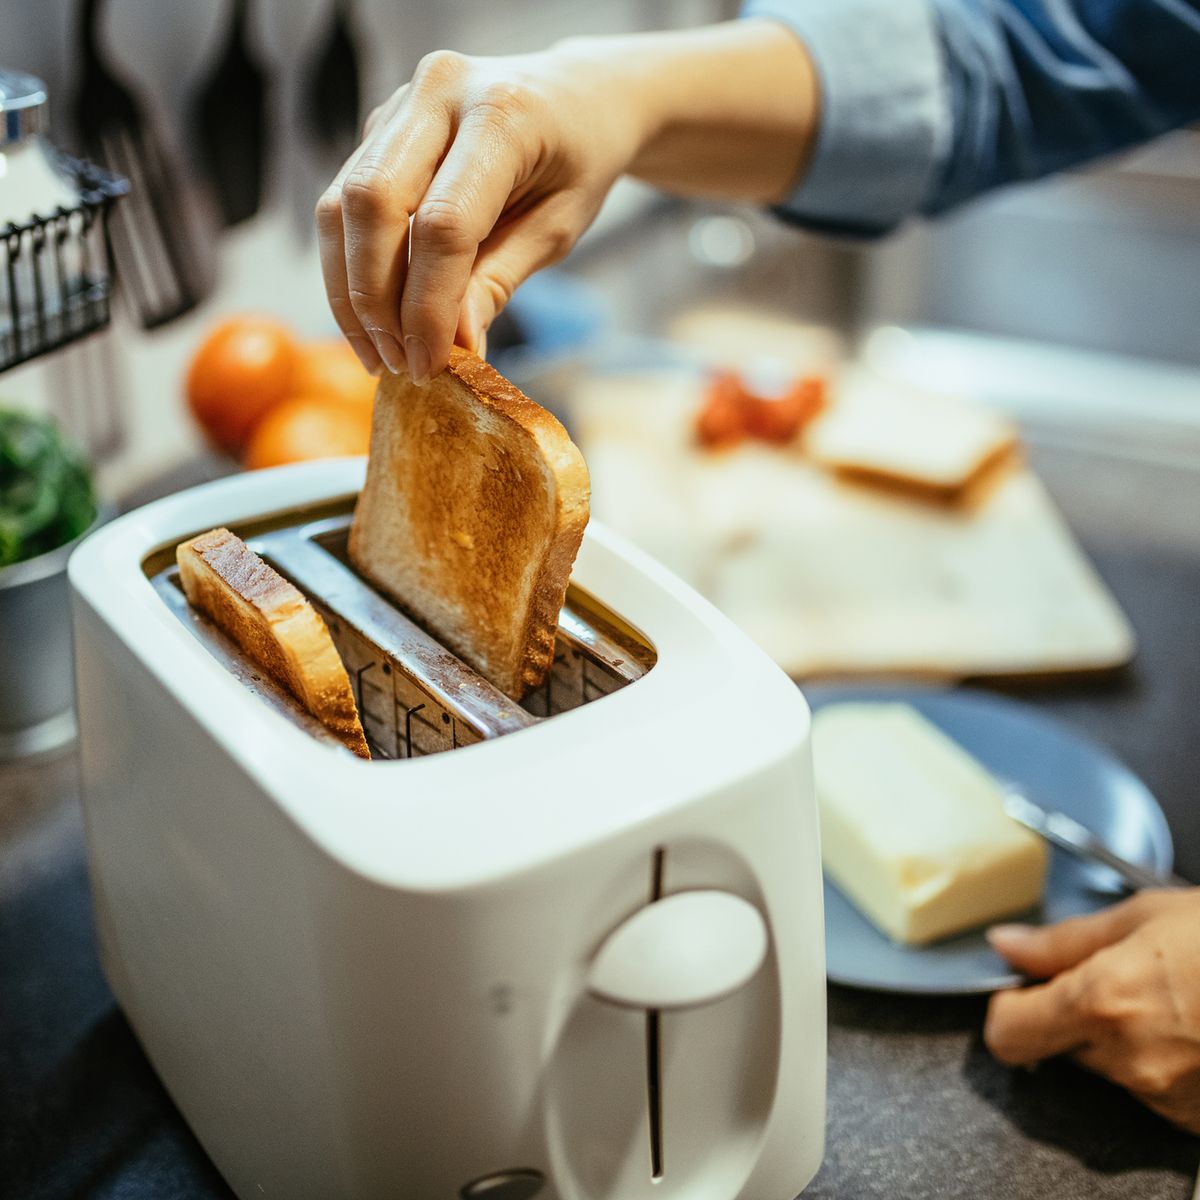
1107	260
1060	321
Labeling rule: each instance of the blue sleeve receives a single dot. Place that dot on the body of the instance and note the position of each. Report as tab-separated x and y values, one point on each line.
927	103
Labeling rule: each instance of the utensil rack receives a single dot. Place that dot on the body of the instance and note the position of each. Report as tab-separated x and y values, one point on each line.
56	270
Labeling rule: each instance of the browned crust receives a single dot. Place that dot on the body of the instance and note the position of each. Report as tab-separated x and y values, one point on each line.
571	493
549	592
232	561
493	391
967	493
274	624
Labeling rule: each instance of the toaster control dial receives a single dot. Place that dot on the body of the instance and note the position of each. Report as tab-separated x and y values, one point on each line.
688	949
504	1185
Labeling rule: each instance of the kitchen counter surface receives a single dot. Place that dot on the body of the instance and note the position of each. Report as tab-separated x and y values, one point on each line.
917	1108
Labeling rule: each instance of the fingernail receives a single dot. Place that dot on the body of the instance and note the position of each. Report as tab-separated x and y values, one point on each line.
367	354
418	359
389	351
479	318
1008	933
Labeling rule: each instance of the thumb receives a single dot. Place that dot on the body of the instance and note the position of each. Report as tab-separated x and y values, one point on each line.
1046	951
480	307
509	255
1027	1025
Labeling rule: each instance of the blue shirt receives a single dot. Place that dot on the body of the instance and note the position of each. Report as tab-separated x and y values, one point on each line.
926	103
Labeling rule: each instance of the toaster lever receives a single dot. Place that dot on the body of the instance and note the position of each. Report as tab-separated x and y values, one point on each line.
688	949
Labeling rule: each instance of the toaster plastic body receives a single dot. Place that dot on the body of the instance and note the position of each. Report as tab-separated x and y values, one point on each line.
375	980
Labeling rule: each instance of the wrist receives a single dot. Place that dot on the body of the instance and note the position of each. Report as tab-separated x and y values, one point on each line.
622	80
727	110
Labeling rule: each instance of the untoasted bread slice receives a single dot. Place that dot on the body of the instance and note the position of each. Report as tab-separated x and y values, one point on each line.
274	624
935	447
472	512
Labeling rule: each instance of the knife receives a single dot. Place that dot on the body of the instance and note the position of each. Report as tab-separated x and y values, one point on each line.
1067	834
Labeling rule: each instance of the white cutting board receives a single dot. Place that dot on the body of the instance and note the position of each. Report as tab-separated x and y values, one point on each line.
835	578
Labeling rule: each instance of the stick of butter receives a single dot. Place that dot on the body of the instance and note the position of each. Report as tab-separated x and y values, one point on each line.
913	829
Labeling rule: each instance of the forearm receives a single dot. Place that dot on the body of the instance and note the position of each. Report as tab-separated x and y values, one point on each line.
481	171
727	111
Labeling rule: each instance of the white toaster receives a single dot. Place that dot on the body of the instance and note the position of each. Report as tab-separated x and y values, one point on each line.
569	950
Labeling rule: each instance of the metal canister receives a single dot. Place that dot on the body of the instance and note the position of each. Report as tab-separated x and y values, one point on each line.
36	678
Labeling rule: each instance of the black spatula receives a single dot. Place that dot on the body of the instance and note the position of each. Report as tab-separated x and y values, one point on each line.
160	271
333	92
230	119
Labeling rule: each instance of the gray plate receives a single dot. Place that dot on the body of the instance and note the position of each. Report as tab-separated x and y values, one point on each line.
1057	769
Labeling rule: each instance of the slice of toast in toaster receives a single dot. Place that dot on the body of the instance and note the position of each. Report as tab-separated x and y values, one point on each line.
472	512
274	624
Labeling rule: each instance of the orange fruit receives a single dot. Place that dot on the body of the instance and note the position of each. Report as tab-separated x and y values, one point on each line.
240	372
306	427
333	368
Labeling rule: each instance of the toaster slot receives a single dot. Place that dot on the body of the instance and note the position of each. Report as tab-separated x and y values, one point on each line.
229	654
414	696
595	652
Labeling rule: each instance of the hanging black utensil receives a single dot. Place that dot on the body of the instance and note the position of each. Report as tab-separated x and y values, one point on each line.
333	94
230	119
160	272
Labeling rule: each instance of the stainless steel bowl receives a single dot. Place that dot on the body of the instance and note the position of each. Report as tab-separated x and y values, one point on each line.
37	689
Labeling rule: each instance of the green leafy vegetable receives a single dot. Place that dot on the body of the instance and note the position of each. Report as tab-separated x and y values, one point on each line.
46	495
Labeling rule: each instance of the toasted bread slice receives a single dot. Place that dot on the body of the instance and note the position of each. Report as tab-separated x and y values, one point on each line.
472	512
274	624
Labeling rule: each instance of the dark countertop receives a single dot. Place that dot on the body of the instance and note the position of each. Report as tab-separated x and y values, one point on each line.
917	1108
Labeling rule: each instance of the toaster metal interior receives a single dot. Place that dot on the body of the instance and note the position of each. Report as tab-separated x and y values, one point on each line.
414	696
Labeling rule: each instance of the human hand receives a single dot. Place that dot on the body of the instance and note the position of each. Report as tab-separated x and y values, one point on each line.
501	163
1123	998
